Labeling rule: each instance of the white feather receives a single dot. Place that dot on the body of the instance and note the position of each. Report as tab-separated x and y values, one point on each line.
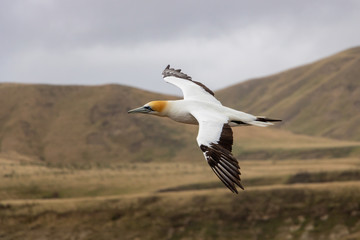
191	90
210	126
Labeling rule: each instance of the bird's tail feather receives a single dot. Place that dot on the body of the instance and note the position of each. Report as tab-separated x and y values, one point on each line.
264	121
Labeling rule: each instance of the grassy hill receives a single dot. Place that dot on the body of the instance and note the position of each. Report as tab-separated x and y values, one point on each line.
321	98
75	165
79	125
311	212
74	124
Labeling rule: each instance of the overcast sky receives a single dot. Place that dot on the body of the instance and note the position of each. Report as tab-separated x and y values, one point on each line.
219	43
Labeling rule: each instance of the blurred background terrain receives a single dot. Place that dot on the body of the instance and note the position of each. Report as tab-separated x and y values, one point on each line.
75	165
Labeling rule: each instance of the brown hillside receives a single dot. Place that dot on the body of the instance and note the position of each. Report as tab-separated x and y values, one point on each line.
90	124
74	124
322	98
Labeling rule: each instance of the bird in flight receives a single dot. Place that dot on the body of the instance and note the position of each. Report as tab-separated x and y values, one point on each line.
215	136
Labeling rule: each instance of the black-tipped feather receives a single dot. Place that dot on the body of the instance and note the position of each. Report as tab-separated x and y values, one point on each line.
230	170
172	72
227	183
226	137
265	119
221	160
234	179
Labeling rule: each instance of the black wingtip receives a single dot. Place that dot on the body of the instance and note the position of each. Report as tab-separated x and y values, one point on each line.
224	165
172	72
240	186
265	119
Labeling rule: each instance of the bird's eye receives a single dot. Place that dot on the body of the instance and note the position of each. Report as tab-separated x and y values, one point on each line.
148	107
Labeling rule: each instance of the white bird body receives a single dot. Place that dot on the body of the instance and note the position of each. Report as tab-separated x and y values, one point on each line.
181	111
199	106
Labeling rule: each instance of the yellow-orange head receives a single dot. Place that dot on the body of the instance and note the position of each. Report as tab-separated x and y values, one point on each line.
154	107
158	106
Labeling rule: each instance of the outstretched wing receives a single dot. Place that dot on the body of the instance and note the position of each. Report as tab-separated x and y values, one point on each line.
215	139
191	89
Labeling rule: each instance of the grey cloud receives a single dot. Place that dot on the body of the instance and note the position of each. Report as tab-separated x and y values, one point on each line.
129	42
62	23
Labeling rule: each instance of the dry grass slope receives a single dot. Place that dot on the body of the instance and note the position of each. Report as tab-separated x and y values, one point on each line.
303	212
78	124
75	165
321	98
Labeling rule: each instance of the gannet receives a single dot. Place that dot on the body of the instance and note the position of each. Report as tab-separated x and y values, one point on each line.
215	136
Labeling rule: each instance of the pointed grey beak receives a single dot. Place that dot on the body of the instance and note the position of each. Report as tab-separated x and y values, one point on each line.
140	110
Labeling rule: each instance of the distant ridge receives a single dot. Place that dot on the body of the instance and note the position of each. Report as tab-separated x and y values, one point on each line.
320	99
